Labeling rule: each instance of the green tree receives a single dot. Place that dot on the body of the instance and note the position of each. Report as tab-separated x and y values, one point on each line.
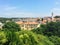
12	26
23	38
55	40
30	38
52	28
3	38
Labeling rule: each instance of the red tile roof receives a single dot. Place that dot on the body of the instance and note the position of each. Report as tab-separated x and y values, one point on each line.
26	22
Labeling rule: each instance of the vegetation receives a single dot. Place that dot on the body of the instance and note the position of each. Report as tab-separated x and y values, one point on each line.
3	20
57	17
46	34
49	29
12	26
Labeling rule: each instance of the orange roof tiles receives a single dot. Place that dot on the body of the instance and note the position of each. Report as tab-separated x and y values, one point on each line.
27	22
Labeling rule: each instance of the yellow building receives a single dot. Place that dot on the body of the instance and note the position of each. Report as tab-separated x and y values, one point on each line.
28	25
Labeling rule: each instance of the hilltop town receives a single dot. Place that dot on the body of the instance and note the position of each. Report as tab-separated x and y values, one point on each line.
29	23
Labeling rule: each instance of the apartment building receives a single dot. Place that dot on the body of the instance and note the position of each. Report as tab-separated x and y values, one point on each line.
28	23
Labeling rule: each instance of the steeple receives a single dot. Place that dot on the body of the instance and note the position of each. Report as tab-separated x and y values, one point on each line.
52	16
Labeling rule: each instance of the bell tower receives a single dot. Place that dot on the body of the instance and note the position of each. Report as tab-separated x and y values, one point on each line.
52	16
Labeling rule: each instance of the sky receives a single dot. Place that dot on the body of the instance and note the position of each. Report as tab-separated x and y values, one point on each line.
29	8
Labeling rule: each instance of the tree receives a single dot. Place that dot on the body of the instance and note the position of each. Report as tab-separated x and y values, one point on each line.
3	38
49	29
55	40
12	26
23	38
57	17
52	28
30	38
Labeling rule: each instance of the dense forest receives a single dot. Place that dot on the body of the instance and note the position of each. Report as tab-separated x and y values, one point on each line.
46	34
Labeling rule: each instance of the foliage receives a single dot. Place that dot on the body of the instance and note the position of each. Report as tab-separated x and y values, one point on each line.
27	38
46	34
49	29
24	38
30	38
3	38
12	26
55	40
41	29
3	20
57	17
44	40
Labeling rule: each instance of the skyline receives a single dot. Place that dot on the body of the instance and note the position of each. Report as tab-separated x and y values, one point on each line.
29	8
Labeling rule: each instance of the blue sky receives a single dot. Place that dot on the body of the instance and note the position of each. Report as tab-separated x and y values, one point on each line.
29	8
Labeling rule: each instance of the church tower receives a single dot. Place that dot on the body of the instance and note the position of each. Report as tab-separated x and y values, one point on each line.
52	16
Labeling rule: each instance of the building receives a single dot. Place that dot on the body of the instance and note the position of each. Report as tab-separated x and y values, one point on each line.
28	23
57	18
46	19
1	24
49	19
